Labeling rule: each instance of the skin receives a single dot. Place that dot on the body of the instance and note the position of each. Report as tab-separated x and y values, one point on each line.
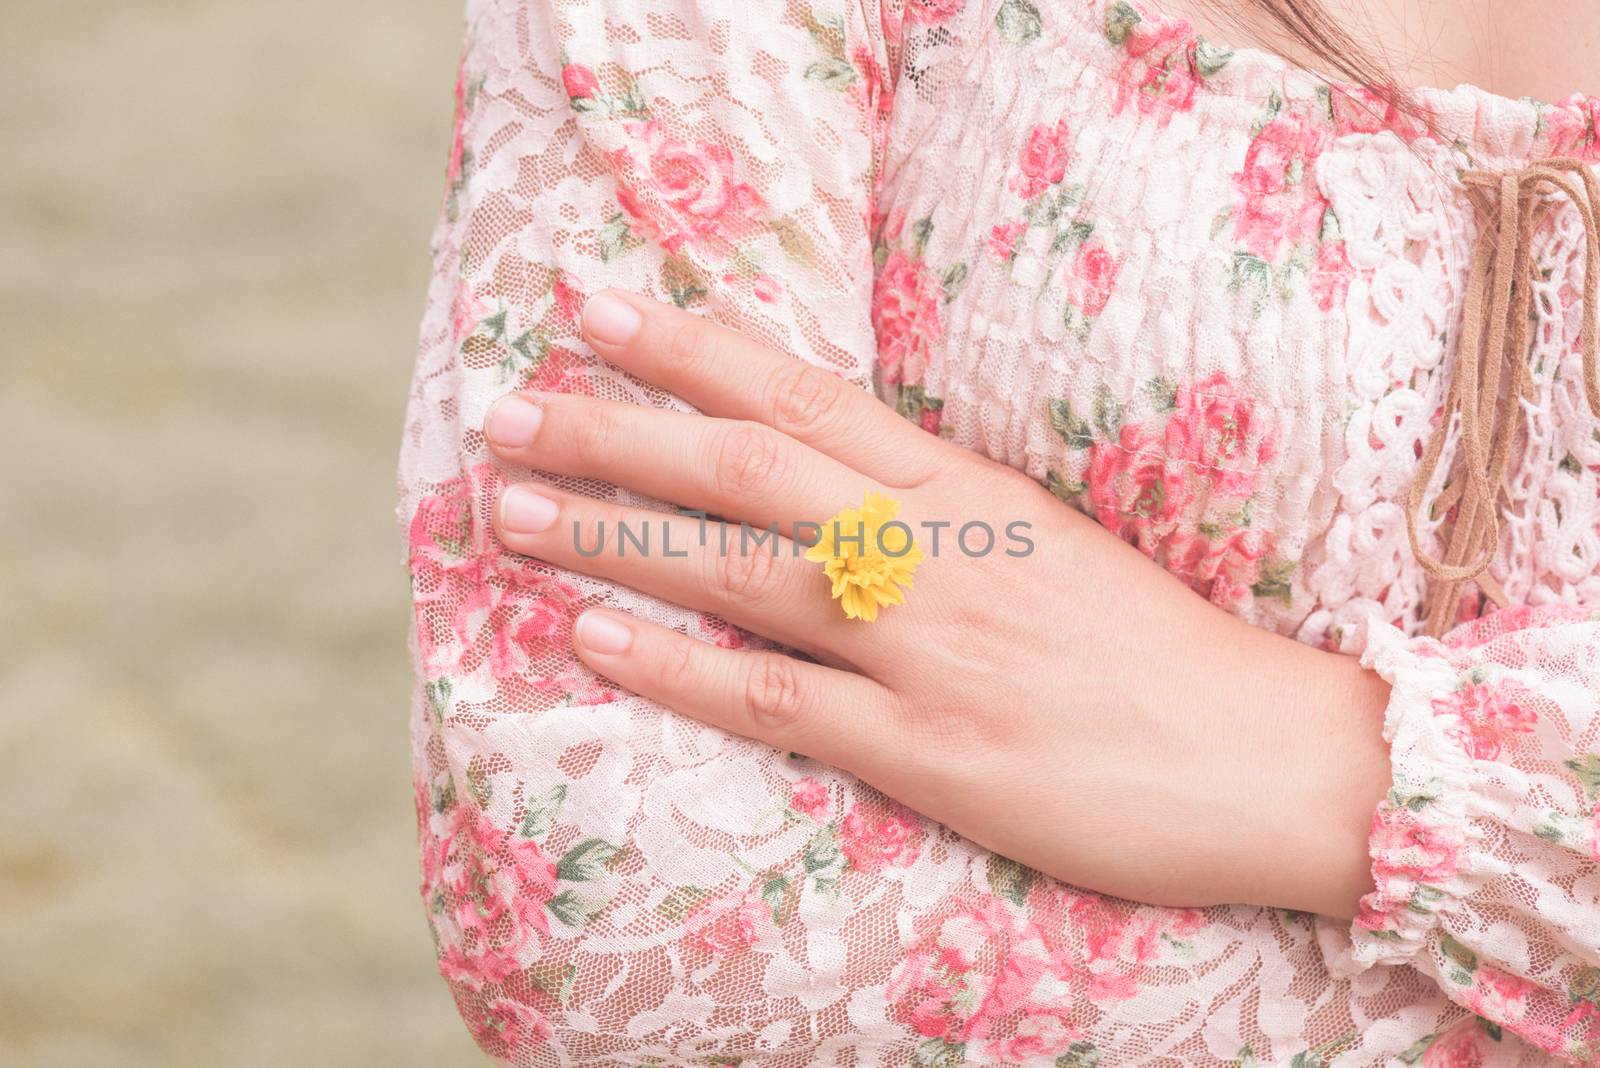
1540	48
1154	746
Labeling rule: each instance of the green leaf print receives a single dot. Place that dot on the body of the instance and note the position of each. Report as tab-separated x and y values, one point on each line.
1120	21
573	910
1588	772
1010	880
834	73
937	1053
542	812
822	851
586	860
1209	59
1064	490
1073	430
1079	1055
1107	411
1018	21
680	902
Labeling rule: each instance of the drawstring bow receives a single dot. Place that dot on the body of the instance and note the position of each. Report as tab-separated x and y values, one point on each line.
1493	355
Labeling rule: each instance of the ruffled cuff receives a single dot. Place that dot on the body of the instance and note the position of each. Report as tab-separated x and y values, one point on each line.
1426	856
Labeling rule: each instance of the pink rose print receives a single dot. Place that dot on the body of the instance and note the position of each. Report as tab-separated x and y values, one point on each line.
452	173
579	81
1159	72
1460	1047
1223	569
473	603
1358	109
905	317
976	976
1572	127
879	835
1215	428
932	12
1483	715
678	193
810	799
1094	275
726	925
1135	489
1498	995
1003	239
1280	204
1331	274
465	312
1043	160
1406	857
493	888
932	419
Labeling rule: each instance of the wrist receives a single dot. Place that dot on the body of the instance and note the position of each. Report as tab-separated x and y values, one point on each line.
1314	767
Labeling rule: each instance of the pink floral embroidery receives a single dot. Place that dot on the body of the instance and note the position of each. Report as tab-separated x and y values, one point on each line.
465	312
726	925
1483	715
932	12
810	799
1094	276
1460	1047
906	317
1159	72
1003	239
681	193
1357	109
473	602
1407	856
1331	274
1498	995
1280	204
1043	160
1572	127
942	992
1135	488
1215	428
452	173
876	836
579	81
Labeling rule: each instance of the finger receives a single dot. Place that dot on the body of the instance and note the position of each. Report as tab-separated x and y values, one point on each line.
724	373
754	579
838	717
726	467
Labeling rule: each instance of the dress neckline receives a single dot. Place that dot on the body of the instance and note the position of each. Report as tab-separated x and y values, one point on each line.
1493	130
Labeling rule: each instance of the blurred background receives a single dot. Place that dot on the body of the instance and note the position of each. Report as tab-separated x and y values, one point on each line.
214	225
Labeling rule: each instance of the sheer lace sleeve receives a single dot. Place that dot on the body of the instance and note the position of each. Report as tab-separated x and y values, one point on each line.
1485	851
604	880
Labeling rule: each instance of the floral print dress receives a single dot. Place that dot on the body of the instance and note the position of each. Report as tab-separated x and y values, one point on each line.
1205	298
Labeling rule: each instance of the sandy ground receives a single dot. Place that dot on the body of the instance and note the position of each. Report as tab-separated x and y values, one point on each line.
214	220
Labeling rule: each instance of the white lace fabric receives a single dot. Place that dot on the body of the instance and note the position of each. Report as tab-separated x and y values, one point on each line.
1201	297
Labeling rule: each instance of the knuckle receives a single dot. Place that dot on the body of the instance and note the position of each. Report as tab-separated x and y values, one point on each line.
688	343
596	444
746	577
772	693
802	396
676	668
748	459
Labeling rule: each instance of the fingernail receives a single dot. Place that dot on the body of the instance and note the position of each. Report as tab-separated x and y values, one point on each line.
513	421
524	510
604	634
610	320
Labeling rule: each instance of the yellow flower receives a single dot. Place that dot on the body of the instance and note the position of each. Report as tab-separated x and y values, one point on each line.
866	558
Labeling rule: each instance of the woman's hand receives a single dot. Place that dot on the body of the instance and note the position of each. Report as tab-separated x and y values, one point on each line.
1072	707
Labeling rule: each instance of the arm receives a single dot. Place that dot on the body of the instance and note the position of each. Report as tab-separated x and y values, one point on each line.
589	861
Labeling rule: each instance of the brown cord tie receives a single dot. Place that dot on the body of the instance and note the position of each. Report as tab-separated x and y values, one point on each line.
1493	354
